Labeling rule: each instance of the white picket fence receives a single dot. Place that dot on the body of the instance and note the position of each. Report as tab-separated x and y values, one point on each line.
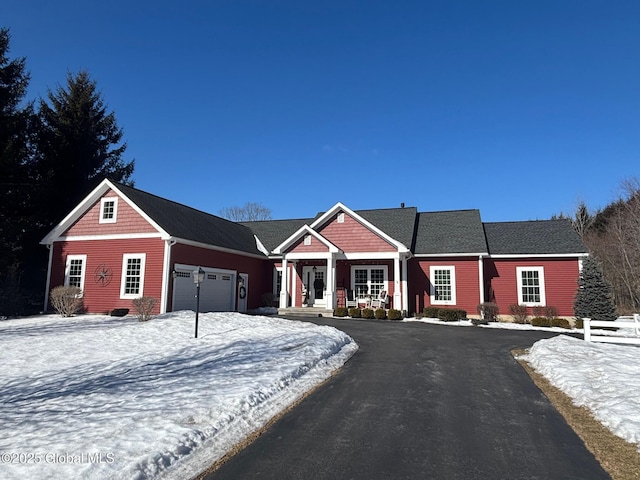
630	323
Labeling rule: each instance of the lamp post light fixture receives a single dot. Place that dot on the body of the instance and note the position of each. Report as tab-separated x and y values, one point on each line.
198	278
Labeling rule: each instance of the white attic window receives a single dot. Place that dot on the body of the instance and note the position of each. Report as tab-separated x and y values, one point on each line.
307	240
341	217
108	209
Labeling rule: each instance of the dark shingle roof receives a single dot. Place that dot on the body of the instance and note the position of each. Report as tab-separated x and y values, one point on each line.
533	237
457	231
398	223
190	224
272	233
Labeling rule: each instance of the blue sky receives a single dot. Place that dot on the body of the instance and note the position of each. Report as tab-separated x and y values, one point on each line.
519	108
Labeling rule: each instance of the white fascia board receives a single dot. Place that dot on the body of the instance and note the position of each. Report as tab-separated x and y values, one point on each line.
540	255
341	207
308	256
214	247
429	255
372	256
114	236
86	203
77	212
305	229
261	247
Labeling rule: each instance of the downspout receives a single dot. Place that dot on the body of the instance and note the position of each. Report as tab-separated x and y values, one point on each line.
166	274
48	283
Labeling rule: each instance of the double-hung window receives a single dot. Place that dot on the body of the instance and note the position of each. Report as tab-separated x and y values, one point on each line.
108	209
531	286
132	275
443	285
369	281
74	271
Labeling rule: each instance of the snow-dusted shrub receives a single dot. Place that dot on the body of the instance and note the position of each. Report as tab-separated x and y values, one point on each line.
144	306
67	301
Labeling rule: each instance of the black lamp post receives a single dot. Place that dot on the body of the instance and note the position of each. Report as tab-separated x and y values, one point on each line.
198	278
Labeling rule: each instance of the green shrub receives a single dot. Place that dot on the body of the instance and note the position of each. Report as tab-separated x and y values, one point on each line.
380	313
489	311
447	315
341	312
451	314
519	313
540	322
431	312
367	313
395	314
355	312
560	322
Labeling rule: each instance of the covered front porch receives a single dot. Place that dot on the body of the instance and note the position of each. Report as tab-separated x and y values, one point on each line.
323	282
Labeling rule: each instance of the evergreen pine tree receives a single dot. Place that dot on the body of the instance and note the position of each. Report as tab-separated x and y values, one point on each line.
16	186
79	145
594	298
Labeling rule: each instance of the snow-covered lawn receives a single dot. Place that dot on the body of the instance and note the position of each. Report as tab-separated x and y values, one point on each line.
605	378
104	397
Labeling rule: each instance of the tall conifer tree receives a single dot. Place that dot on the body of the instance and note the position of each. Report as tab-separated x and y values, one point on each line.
79	145
594	298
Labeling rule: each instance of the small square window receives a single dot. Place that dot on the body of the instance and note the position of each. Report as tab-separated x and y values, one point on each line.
108	210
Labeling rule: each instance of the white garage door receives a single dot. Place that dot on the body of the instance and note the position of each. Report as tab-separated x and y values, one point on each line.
216	291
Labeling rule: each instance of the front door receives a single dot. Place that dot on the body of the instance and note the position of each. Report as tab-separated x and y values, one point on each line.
315	281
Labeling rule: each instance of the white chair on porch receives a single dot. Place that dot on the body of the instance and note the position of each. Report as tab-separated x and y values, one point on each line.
351	300
380	301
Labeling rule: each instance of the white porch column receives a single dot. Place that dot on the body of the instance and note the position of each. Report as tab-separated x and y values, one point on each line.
284	285
481	277
331	281
405	286
397	285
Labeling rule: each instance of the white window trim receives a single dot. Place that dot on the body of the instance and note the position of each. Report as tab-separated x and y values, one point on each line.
543	298
370	267
67	269
125	258
115	209
432	286
277	271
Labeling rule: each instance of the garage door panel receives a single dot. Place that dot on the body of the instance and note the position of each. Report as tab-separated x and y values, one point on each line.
216	291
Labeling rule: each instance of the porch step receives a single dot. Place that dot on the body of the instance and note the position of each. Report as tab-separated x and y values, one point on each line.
306	312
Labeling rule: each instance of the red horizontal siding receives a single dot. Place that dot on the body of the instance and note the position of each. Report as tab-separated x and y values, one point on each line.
560	279
314	246
99	299
127	221
352	236
467	282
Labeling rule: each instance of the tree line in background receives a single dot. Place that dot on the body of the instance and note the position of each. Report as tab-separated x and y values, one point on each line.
612	236
53	151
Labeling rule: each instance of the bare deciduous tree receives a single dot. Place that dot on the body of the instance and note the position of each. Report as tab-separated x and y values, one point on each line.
249	212
614	238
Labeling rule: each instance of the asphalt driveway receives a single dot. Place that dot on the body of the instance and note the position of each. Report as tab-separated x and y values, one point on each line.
421	401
